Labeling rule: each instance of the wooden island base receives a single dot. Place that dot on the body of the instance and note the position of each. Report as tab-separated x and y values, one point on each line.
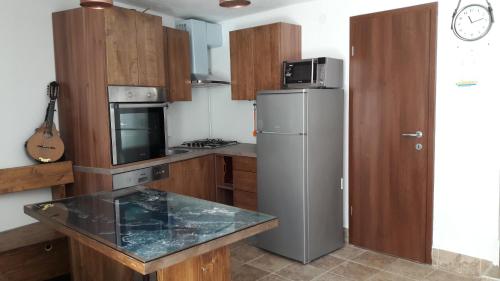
90	265
212	266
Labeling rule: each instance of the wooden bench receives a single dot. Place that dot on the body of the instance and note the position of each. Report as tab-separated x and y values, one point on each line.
34	252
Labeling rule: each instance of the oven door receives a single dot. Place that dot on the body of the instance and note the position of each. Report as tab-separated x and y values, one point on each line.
300	74
138	131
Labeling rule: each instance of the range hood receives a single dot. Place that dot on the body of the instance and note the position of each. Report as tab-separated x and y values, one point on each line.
203	36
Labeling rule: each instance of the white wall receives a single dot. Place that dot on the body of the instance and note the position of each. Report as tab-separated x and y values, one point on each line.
26	67
467	137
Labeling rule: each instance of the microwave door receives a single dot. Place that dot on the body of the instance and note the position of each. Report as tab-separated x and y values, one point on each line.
300	73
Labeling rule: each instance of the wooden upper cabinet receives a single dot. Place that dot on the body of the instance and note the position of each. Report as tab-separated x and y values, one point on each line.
134	48
150	50
177	64
257	56
242	64
121	47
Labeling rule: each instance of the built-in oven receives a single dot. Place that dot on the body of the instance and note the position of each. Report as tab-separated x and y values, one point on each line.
138	117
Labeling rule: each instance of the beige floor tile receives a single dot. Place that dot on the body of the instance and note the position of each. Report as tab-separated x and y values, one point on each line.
247	273
353	271
470	266
300	272
235	265
440	275
387	276
493	272
270	262
327	262
460	264
246	253
449	261
348	252
409	269
376	260
485	266
272	277
330	277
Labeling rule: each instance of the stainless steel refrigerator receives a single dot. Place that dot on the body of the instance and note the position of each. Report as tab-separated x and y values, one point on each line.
299	170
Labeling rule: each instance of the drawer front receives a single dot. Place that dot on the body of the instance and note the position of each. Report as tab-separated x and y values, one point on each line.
245	181
245	200
248	164
37	262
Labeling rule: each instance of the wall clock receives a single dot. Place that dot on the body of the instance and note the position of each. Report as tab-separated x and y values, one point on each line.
473	21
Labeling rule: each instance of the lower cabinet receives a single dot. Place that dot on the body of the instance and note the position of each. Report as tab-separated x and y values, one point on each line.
236	181
245	200
193	177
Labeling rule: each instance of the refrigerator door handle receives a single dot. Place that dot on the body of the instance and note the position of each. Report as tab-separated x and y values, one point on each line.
278	133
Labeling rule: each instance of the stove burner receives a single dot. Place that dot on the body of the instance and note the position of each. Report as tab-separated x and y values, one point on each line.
208	143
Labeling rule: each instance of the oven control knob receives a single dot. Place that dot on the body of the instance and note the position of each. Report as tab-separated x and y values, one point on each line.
130	95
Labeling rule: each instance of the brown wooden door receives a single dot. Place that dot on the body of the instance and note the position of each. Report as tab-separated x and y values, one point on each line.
121	47
242	64
177	64
150	50
392	92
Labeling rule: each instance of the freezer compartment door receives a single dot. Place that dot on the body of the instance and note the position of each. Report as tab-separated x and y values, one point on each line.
281	113
281	188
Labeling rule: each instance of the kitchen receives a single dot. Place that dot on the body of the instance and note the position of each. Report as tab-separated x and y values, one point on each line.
213	113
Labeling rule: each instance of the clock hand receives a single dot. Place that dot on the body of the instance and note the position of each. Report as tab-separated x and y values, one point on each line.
478	20
470	20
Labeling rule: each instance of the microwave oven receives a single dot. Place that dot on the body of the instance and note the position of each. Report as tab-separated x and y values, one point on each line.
313	73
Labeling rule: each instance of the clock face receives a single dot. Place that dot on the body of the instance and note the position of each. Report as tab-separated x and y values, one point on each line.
472	23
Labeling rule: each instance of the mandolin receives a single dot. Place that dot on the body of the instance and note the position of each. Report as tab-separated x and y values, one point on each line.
45	145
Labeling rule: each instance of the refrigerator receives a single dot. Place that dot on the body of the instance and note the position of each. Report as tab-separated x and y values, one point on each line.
299	171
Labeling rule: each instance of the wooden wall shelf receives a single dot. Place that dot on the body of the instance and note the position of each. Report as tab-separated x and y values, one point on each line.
36	177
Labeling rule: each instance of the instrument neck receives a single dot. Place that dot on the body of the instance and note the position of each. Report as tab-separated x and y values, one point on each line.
49	117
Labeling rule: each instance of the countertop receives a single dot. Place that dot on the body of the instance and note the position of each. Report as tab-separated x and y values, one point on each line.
146	224
241	149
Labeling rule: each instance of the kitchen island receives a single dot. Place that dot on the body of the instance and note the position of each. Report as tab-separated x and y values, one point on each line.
114	235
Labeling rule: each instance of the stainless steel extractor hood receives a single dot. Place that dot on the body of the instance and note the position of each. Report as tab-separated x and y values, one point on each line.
203	36
202	81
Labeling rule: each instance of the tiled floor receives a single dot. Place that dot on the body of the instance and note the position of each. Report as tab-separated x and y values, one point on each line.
348	264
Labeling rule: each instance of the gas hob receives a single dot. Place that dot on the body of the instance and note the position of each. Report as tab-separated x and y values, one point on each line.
207	143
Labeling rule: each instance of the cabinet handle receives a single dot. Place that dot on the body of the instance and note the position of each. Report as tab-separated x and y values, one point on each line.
48	247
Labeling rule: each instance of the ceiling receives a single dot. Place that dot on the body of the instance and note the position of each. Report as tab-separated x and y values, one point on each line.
207	9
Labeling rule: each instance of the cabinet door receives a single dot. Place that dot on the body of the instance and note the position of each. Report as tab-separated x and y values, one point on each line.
121	47
194	177
150	50
245	200
177	64
267	61
242	64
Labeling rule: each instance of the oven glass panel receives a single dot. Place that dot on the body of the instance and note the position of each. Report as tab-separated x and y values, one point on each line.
300	73
140	134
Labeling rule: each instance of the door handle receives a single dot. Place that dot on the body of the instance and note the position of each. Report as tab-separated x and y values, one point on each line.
417	134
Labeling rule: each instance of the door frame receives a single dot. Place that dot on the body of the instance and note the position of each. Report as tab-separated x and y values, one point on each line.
431	119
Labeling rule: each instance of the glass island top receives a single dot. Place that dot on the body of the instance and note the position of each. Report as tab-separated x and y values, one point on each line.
147	224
